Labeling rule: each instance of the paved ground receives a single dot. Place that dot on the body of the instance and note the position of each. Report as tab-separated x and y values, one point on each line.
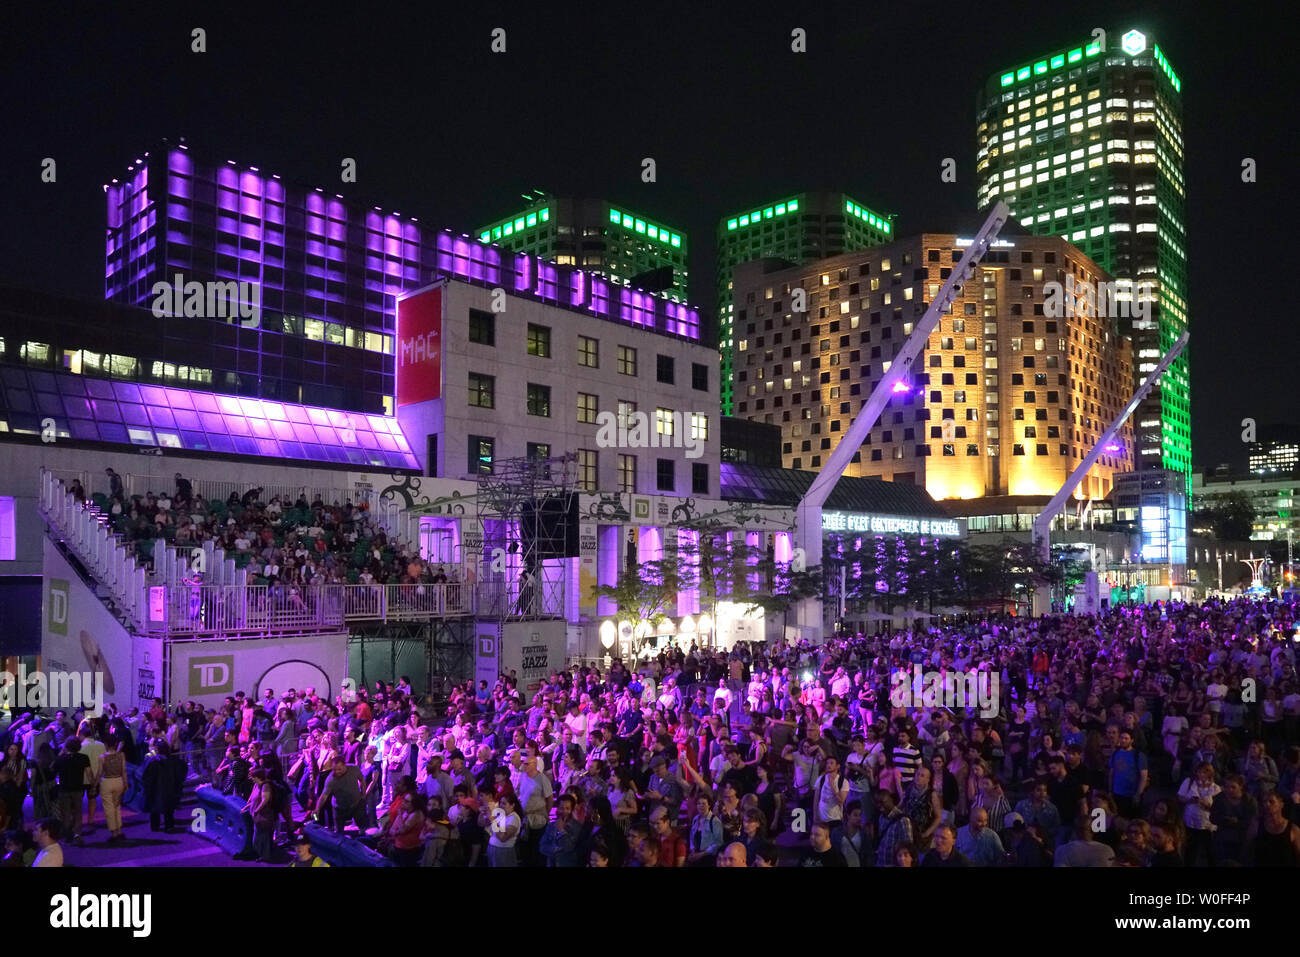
145	848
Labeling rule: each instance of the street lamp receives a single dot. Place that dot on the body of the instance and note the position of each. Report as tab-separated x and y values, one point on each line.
704	627
608	635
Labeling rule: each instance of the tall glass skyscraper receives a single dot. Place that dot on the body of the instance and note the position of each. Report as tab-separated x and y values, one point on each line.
801	228
1086	142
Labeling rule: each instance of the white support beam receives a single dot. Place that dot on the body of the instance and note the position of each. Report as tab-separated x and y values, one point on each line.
1042	525
808	516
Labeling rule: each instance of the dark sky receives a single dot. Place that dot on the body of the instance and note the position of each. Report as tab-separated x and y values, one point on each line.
443	129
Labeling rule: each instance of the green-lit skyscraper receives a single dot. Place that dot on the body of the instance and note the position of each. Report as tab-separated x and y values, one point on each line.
594	235
1086	142
799	228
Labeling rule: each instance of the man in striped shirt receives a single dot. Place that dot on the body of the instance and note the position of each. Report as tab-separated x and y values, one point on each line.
906	757
993	800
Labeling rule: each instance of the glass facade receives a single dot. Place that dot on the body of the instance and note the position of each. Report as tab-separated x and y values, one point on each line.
1086	143
126	413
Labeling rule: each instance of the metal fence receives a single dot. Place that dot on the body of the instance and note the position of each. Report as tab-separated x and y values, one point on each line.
220	611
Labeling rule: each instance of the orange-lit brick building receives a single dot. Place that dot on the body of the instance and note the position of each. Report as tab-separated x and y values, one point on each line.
1005	400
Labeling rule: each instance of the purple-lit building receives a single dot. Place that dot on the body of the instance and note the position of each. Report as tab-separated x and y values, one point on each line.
328	270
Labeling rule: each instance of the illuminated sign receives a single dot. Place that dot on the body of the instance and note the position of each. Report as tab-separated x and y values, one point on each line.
419	347
885	524
996	244
1133	43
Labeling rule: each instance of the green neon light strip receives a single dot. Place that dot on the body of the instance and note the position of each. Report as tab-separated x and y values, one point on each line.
768	212
644	228
1058	60
867	216
516	224
1169	70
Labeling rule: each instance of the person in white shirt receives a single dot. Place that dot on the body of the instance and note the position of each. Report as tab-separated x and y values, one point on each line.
504	824
1197	795
425	747
670	697
47	839
1215	693
577	722
830	794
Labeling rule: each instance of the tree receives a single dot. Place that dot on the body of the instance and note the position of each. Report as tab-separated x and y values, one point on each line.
789	587
1231	517
646	590
1008	571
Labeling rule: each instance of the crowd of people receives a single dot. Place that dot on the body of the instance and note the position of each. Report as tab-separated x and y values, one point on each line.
279	542
1160	735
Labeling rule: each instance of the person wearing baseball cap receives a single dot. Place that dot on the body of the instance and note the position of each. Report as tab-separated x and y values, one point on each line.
302	854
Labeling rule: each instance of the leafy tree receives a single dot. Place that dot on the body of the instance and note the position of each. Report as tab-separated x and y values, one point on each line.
789	586
645	591
1231	517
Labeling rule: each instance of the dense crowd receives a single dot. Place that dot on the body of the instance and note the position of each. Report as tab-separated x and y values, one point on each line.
278	542
1151	736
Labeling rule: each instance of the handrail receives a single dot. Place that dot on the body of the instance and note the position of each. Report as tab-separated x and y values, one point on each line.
221	611
88	534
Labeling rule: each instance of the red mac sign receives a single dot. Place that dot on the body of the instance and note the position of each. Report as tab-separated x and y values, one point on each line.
419	347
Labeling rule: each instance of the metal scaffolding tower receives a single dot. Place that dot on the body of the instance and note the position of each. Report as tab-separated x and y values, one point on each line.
525	510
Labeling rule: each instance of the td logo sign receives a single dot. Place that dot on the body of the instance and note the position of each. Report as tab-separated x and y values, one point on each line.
57	606
212	674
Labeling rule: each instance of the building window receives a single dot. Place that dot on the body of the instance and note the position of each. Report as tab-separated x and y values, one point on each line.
664	421
699	427
700	478
587	469
539	451
482	450
627	360
8	529
482	390
627	473
699	376
482	327
587	404
539	341
664	369
626	410
666	475
588	352
539	399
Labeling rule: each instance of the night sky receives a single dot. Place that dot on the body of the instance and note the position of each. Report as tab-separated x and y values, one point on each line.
443	129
